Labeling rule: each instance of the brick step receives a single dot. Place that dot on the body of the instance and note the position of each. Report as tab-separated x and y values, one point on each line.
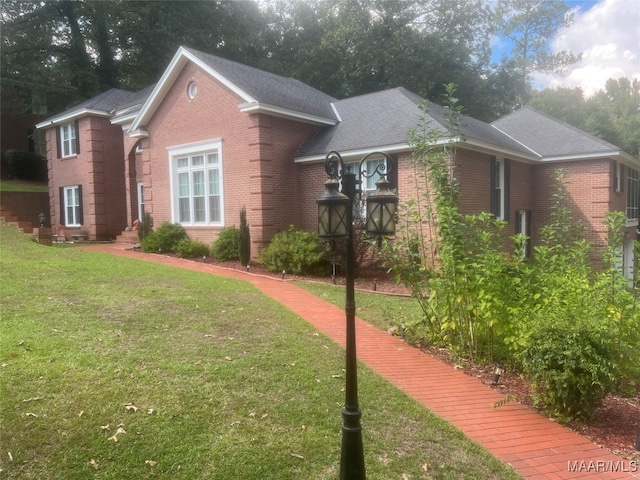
26	227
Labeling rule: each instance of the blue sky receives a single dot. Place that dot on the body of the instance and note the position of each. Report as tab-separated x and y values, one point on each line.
606	33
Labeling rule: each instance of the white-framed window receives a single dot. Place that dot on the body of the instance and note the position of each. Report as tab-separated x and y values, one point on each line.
68	140
140	201
368	184
618	180
196	178
633	193
72	206
500	188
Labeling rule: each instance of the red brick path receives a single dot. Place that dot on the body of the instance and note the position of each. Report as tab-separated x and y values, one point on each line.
534	446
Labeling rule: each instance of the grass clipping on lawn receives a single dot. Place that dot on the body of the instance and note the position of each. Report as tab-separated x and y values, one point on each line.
114	368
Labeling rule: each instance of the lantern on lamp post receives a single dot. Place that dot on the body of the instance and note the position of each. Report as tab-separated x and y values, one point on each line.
335	221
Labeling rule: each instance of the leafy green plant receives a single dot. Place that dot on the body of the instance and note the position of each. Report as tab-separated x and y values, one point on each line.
297	252
164	239
187	248
146	226
226	246
244	239
26	165
571	369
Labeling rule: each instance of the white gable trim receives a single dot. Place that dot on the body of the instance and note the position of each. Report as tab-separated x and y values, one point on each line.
180	59
69	117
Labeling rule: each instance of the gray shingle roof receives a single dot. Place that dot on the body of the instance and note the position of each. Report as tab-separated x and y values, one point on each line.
271	89
385	118
549	137
106	102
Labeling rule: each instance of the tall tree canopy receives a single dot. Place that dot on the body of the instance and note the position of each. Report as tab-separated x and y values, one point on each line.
530	25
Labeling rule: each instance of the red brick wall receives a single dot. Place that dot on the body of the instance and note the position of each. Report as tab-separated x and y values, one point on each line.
257	157
99	168
589	186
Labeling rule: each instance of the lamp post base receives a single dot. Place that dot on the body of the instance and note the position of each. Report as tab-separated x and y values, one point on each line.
352	456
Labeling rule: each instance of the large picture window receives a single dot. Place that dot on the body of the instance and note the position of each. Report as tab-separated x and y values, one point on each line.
196	174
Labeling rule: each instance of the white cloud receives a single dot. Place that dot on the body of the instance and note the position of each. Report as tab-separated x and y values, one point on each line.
608	36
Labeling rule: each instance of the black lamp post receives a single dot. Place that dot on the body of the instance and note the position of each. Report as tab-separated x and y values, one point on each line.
41	217
335	221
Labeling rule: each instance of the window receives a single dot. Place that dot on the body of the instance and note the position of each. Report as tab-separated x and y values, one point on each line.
140	201
71	206
523	226
633	194
618	177
197	185
67	140
368	184
500	188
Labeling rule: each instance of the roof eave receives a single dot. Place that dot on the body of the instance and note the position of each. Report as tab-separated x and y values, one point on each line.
358	153
71	116
257	107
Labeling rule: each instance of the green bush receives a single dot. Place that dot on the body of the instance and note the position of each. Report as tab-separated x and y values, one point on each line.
26	165
164	239
297	252
244	239
571	369
226	246
146	226
187	248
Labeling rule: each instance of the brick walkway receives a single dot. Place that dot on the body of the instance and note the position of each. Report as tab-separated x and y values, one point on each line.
533	445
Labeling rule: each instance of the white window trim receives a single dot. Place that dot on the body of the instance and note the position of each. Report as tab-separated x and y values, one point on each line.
633	193
68	147
140	200
67	221
207	146
500	186
618	177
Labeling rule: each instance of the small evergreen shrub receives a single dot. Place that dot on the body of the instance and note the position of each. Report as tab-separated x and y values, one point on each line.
164	239
226	246
146	226
244	239
297	252
187	248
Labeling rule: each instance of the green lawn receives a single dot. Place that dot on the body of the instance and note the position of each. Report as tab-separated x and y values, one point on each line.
22	186
118	369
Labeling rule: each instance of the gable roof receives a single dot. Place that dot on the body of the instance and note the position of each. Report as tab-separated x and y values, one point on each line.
258	91
550	139
382	120
101	105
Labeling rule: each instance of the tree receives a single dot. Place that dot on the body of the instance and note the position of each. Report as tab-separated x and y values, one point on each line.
529	25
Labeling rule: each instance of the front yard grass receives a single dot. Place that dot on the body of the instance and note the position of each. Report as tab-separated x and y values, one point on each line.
119	369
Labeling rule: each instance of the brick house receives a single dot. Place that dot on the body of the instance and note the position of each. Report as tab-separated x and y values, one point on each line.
214	135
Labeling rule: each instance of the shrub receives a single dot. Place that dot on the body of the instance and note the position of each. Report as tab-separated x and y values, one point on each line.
226	246
187	248
571	369
164	239
244	239
295	251
146	226
26	165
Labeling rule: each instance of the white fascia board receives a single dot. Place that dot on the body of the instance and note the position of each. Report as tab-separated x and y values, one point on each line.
358	154
123	119
335	110
69	117
178	62
493	149
257	107
580	156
